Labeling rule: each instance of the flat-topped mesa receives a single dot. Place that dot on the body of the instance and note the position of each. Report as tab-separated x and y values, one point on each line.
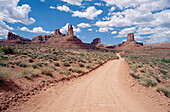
96	41
130	37
70	31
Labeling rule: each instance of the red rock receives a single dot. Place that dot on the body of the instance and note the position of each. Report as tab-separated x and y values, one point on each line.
96	41
130	37
16	39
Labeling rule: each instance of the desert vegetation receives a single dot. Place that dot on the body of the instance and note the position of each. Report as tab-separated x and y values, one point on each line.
151	68
27	61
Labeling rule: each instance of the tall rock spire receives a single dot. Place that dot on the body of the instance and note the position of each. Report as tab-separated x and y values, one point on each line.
70	31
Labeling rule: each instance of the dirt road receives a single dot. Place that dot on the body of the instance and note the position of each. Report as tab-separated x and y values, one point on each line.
107	89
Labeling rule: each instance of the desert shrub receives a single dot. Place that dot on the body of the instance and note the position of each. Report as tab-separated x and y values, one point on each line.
47	71
164	90
89	67
29	72
163	71
143	71
23	65
66	64
81	64
56	64
65	72
8	50
5	74
31	60
77	70
165	60
134	76
3	63
148	82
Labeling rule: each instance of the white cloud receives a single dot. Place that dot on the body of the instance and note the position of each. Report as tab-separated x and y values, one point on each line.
64	28
114	32
3	32
4	26
34	30
90	13
125	31
90	29
63	8
112	8
73	2
98	4
76	30
42	0
105	29
52	7
10	12
83	25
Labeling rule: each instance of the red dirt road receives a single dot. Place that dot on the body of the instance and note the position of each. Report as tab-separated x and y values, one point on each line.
110	88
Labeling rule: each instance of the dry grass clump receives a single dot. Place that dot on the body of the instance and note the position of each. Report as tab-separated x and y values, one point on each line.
47	71
5	74
29	72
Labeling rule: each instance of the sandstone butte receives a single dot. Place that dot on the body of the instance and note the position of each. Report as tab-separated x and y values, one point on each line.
130	44
57	39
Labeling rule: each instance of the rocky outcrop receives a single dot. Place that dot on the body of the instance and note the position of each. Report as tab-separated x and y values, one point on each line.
58	39
2	40
130	44
130	37
16	39
70	31
96	41
40	39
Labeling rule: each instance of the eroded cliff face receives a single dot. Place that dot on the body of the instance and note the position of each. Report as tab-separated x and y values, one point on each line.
130	37
16	39
96	41
130	44
58	39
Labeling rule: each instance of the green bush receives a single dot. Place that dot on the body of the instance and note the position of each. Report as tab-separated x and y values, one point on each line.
165	91
5	74
47	71
56	64
81	64
148	82
31	60
8	50
29	72
89	67
163	71
66	64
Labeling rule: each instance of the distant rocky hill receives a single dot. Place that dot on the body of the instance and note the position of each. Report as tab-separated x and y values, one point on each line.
157	46
16	39
130	44
61	40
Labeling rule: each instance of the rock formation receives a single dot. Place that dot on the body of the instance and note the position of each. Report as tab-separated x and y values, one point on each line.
58	39
16	39
96	41
130	37
70	31
130	44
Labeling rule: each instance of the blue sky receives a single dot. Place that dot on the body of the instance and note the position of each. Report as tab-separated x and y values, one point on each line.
110	20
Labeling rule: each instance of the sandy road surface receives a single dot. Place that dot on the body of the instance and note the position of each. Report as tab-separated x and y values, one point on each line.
107	89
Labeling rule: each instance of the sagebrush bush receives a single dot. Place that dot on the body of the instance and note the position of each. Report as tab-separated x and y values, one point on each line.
29	72
164	90
8	50
5	74
47	71
66	64
56	64
148	82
